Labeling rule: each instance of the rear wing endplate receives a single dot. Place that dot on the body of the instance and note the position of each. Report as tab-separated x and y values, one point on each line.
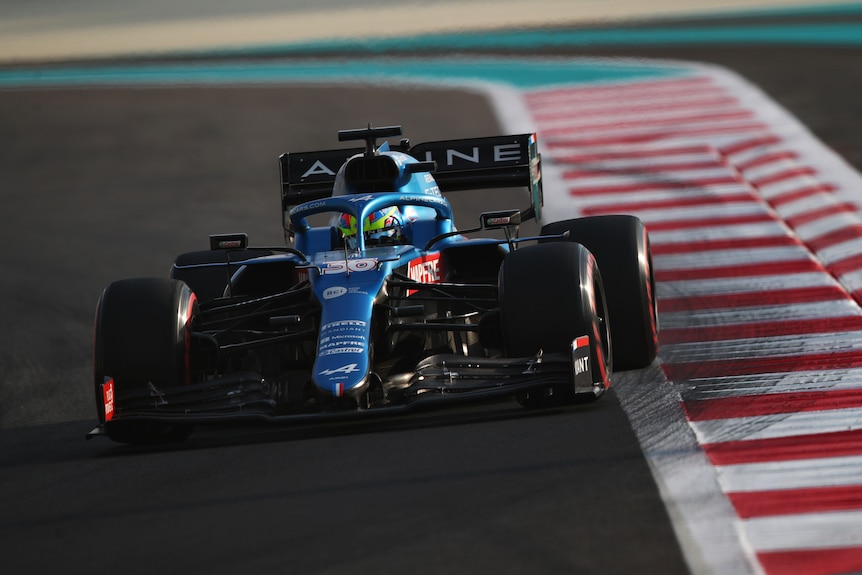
464	164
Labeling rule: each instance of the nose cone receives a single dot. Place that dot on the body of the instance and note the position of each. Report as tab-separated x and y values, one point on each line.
346	294
339	396
343	361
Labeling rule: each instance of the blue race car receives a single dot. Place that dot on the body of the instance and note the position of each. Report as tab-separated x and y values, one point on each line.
377	304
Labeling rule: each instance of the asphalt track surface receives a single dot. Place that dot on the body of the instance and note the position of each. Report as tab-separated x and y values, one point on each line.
99	184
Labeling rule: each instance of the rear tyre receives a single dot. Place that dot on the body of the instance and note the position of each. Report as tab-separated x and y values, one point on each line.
551	294
621	245
142	338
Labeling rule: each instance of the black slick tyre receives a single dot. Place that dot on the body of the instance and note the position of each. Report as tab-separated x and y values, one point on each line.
551	294
142	338
621	246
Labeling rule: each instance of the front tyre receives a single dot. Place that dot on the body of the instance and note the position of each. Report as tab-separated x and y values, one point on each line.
142	340
621	245
551	294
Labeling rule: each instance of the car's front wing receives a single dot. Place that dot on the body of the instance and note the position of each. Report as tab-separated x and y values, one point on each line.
438	381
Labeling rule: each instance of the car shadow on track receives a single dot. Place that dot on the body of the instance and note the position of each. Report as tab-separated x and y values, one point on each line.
218	436
65	442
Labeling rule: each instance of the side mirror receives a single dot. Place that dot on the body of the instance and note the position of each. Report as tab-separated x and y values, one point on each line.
497	220
228	241
420	167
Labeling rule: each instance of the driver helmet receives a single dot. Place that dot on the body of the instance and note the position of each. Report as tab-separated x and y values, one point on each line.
381	227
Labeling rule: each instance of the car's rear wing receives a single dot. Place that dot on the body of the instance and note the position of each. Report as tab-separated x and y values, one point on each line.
466	164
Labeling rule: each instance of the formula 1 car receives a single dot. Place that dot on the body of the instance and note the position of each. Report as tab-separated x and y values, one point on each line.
377	303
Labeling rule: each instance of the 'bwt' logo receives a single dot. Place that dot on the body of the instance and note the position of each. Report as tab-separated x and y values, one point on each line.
582	365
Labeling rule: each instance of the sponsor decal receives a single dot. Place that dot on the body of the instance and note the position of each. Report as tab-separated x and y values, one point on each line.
302	208
500	153
341	350
536	174
343	336
328	348
473	156
582	365
424	269
357	332
334	292
344	369
344	323
341	339
424	199
316	169
344	339
108	397
507	152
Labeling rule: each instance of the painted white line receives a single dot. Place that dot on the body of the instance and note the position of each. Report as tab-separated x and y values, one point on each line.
756	151
723	140
651	162
796	474
585	184
713	195
770	169
794	135
624	93
852	281
623	149
777	177
807	205
722	232
617	116
723	286
776	189
703	518
702	98
827	224
773	426
596	174
731	257
840	251
808	531
813	311
764	347
770	383
702	212
684	132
